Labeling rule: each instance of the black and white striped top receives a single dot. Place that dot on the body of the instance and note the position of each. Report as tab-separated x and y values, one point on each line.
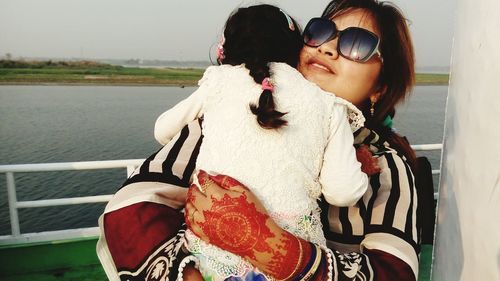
384	219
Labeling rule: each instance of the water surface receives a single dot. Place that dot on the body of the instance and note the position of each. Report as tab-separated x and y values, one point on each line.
41	124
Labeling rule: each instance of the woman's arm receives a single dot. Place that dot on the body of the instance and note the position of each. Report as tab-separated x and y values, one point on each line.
373	263
386	217
390	219
142	226
260	240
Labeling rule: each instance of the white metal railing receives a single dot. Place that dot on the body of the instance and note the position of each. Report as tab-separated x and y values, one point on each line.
14	205
428	147
130	165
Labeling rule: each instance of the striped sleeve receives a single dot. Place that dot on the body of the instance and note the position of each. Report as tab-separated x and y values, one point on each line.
142	226
390	216
382	225
174	163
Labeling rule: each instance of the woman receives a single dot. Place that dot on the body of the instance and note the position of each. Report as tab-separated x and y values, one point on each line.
374	240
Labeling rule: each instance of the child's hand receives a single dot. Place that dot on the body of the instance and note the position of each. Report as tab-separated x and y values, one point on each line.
369	164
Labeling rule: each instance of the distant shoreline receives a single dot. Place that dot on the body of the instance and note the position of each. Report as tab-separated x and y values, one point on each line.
104	84
106	75
112	84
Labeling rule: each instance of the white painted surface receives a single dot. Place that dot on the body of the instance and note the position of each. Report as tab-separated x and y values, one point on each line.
468	227
47	236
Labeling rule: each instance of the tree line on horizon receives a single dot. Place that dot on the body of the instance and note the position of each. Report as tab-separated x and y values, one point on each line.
6	63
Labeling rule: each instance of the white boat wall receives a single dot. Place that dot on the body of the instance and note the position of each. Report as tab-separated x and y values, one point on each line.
467	245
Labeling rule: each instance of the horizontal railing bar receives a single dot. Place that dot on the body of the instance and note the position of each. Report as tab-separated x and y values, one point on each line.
70	166
129	164
113	164
88	232
83	200
64	201
424	147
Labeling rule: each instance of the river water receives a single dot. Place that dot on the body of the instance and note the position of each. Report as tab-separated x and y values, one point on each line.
44	124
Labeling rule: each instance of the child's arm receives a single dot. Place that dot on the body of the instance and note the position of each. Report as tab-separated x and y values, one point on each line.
174	119
343	182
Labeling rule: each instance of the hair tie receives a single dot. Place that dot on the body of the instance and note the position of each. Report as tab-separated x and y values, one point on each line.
266	84
291	26
220	49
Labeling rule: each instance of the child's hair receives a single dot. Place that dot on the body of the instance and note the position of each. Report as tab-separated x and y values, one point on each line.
256	36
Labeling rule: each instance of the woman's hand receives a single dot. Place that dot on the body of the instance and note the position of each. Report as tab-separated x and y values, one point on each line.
369	164
228	215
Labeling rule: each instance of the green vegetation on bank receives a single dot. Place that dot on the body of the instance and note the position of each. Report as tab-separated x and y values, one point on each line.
89	72
432	79
86	72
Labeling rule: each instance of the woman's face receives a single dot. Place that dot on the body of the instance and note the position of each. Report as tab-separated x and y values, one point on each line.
333	73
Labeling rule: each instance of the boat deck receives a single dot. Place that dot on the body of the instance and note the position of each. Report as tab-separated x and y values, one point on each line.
83	273
65	260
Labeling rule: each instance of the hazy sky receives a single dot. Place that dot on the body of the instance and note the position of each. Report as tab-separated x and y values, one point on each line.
176	29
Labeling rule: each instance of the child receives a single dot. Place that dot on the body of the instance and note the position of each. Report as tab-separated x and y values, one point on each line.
265	125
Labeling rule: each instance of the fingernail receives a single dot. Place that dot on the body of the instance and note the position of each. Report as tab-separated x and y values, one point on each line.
202	173
225	182
219	180
202	177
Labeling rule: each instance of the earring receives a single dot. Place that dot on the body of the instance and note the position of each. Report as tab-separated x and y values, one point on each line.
372	108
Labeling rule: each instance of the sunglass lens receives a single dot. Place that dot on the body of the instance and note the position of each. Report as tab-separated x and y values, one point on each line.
318	31
357	44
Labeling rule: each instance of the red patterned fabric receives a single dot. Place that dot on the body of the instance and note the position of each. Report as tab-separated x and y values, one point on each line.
135	231
387	267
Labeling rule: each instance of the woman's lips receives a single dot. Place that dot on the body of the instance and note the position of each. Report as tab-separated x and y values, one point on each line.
317	66
320	66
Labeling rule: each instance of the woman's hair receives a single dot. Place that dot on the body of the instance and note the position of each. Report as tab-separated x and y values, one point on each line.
397	75
256	36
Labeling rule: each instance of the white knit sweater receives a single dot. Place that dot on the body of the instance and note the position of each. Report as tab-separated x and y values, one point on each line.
286	168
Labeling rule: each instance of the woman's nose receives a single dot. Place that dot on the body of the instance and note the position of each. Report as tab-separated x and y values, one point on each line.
329	48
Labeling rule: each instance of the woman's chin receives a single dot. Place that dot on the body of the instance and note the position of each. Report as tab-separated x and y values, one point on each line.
325	82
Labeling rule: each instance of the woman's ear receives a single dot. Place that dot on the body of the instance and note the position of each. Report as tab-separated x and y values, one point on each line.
378	94
375	97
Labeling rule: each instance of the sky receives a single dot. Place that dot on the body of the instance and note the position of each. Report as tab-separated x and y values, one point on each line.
177	29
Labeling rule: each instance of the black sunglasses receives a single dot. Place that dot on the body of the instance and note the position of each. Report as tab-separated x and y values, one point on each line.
356	44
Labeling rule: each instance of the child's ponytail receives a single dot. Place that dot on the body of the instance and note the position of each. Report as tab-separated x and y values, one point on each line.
255	36
267	116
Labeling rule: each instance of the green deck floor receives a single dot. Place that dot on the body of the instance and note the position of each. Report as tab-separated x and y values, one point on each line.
74	259
81	273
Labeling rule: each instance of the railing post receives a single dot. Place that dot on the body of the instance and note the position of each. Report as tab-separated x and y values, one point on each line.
11	192
130	170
